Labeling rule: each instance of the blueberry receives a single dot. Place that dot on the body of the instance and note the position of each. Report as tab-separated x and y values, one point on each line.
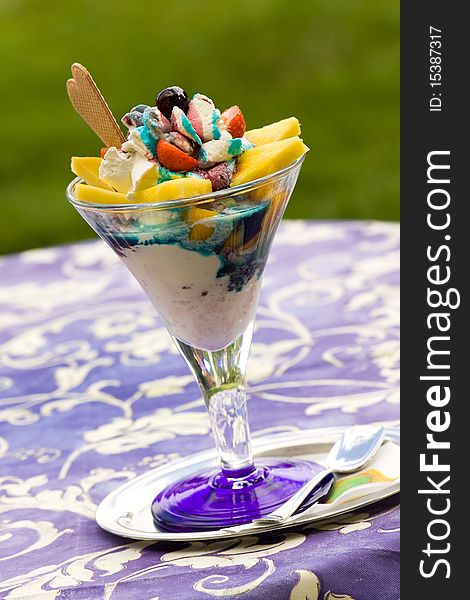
170	97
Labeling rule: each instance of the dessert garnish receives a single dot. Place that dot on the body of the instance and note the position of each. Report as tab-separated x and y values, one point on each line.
179	148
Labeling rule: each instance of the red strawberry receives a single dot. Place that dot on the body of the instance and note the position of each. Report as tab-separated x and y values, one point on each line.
173	158
234	121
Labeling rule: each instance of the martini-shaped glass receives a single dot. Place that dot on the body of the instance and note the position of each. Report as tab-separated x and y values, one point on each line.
201	261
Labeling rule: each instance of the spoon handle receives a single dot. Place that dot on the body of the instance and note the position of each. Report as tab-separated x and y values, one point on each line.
290	507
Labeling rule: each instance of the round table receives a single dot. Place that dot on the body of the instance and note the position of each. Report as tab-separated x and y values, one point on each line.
93	393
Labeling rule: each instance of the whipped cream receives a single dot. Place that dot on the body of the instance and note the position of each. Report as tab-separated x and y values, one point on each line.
197	138
183	125
134	143
129	169
196	305
221	150
115	169
204	117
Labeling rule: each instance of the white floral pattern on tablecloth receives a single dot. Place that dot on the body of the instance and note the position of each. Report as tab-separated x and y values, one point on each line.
93	393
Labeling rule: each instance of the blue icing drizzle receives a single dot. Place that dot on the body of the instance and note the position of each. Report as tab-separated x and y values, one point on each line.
202	156
235	146
188	127
239	268
165	174
215	129
147	138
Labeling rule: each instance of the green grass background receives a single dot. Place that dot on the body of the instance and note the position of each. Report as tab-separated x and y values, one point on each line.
332	63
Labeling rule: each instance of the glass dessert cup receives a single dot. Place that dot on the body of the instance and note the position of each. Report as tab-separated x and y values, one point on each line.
200	261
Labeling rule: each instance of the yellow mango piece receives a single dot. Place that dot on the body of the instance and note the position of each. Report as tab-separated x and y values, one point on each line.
200	231
147	177
235	239
87	167
186	187
266	159
89	193
281	130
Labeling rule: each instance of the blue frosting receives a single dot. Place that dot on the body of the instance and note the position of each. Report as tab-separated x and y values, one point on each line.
215	129
147	138
188	127
165	174
176	232
235	146
202	156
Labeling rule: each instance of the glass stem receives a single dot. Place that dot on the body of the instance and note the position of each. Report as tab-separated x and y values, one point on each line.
221	378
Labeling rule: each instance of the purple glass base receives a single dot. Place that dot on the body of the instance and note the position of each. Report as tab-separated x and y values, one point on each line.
213	500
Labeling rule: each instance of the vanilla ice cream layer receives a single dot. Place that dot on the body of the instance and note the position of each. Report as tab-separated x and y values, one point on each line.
197	306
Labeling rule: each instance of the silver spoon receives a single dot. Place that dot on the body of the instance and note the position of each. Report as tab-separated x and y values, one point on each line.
355	448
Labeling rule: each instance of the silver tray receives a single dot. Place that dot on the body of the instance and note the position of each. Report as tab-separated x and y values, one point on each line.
126	510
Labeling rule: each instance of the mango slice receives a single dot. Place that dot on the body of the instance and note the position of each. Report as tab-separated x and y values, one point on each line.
89	193
144	177
87	167
281	130
267	159
200	231
185	187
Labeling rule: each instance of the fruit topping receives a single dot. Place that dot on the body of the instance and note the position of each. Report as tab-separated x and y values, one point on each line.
170	97
204	117
281	130
184	187
234	121
267	159
200	231
179	140
173	158
89	193
87	167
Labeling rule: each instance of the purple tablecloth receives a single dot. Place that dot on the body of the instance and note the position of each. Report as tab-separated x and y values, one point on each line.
93	393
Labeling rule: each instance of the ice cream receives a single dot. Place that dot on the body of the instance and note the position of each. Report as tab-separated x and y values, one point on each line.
200	264
191	139
201	271
188	142
197	306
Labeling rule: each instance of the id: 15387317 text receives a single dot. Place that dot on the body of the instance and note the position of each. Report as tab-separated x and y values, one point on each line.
435	69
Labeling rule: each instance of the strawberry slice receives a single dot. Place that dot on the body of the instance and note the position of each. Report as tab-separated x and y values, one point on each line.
173	158
234	121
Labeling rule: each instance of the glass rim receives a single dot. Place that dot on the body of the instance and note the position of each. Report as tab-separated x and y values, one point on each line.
180	202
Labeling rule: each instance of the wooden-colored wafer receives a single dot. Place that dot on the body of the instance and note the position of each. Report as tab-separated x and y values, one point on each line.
89	103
